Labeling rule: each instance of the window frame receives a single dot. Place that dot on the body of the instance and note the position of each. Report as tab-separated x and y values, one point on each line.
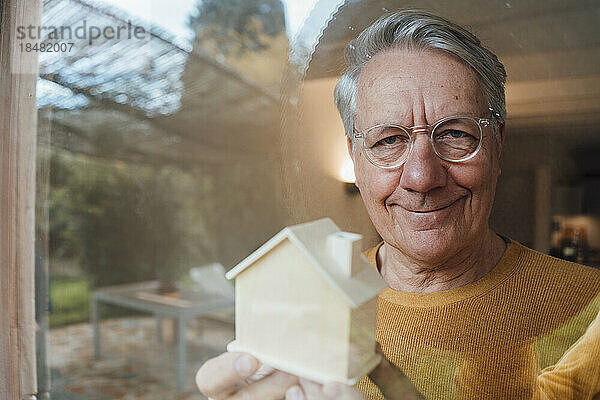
18	132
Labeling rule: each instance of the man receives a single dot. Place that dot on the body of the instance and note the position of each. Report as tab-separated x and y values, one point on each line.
468	313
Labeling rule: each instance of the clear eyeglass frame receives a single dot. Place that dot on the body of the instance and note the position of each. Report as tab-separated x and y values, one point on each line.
428	129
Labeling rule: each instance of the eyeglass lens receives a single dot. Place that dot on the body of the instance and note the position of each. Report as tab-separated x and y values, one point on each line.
453	140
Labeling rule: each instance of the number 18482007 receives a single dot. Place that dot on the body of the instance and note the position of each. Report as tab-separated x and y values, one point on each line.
46	47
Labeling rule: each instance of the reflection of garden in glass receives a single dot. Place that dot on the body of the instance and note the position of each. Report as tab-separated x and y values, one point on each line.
112	224
153	157
70	299
155	146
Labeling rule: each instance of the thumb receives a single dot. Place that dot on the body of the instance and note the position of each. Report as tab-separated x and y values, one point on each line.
392	382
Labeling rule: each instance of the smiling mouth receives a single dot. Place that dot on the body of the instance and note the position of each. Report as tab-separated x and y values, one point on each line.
433	209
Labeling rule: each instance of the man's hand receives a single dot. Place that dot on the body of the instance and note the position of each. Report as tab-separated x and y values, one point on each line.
392	382
308	390
389	379
237	376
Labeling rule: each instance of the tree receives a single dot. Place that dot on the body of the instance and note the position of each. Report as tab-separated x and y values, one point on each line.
248	35
238	26
124	223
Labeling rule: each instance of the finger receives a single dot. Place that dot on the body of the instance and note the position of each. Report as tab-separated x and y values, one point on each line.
311	389
295	393
338	391
393	383
261	372
329	391
222	375
272	387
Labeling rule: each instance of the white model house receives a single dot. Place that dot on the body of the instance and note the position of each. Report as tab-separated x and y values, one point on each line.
306	303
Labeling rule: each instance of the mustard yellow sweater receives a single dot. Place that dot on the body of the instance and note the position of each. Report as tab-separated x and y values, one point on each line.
517	333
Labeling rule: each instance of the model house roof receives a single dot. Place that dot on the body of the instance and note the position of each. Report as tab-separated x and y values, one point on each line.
311	239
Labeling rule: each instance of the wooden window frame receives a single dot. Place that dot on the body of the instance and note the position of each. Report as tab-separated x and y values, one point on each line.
18	125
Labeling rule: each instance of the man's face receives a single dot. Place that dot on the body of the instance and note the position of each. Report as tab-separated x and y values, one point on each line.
430	209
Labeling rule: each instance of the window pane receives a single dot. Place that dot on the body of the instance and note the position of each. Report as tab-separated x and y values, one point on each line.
158	154
176	137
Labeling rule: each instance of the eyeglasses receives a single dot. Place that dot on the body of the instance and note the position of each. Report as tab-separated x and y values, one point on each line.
456	138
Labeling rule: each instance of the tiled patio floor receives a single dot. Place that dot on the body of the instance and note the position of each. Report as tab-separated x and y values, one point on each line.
133	365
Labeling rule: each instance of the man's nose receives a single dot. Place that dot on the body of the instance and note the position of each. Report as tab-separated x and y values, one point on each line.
423	170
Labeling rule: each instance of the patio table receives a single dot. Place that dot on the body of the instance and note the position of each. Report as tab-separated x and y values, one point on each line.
144	296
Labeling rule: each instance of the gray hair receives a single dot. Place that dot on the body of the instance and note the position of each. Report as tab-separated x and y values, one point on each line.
415	30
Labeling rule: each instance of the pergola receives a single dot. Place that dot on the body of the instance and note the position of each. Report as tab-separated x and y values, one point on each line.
154	101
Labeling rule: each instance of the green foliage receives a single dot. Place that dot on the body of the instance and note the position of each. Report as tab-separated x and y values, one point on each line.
239	25
70	299
123	223
135	217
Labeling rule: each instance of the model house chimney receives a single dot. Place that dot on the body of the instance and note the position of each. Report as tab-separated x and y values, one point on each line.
344	248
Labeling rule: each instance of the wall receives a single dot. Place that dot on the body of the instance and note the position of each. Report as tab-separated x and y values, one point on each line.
524	156
314	149
527	152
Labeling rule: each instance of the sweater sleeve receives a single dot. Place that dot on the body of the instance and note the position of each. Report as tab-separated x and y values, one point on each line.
576	376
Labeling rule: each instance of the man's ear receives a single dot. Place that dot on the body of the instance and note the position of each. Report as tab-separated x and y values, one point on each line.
500	137
500	143
350	147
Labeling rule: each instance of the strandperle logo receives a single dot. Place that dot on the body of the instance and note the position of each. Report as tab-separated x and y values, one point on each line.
92	33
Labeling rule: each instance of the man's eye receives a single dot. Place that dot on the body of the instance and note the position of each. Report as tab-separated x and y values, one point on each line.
454	134
392	140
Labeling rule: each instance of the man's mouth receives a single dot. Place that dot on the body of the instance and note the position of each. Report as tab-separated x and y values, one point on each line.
432	209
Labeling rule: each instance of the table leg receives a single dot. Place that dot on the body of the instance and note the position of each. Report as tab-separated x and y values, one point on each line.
181	356
96	328
159	327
